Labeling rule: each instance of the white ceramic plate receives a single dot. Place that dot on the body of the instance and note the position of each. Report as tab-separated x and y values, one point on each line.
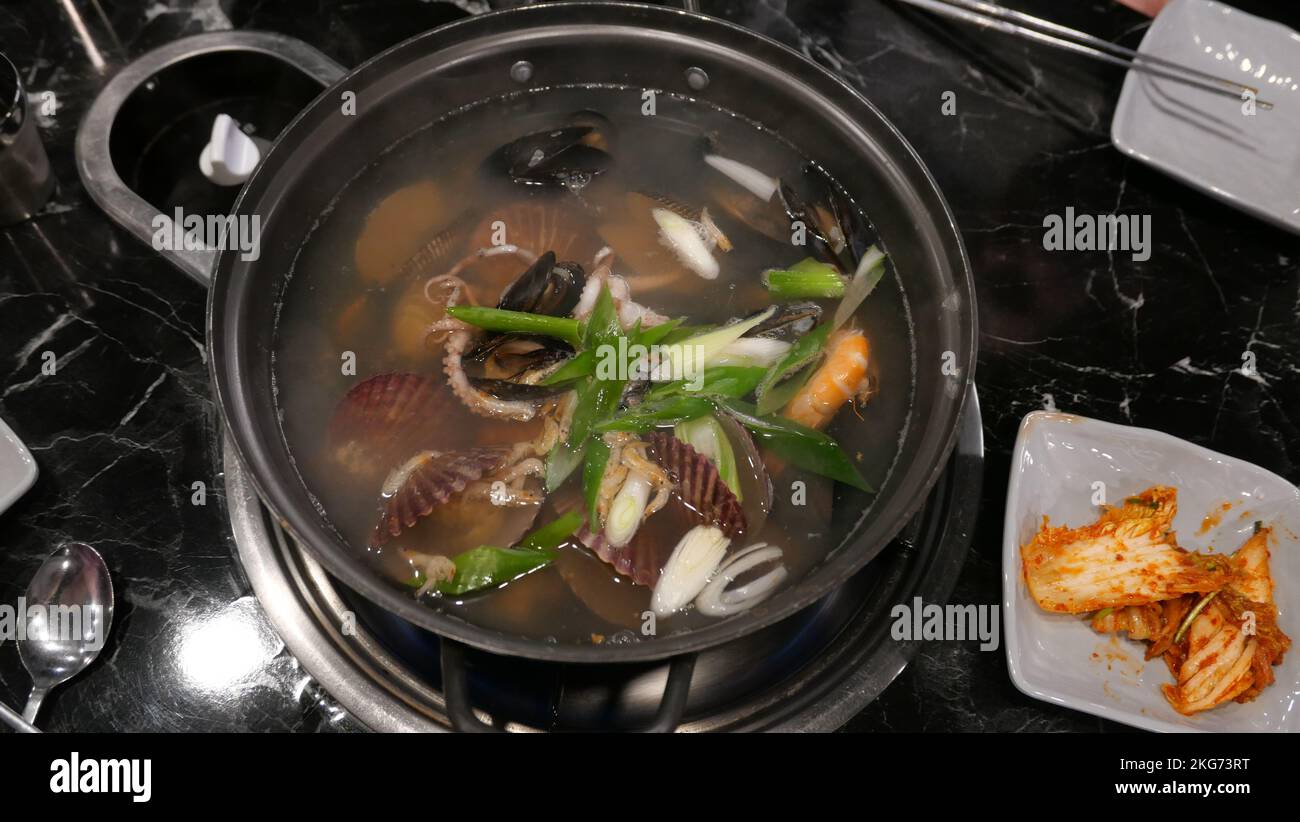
1057	657
17	468
1203	138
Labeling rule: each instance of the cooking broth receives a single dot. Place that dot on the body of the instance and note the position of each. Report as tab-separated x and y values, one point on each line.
360	294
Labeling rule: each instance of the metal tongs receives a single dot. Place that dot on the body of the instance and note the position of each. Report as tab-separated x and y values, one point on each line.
1019	24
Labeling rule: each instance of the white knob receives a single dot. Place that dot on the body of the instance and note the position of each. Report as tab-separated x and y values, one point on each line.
230	155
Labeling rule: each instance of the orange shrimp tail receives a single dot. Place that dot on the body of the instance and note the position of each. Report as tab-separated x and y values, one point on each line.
838	380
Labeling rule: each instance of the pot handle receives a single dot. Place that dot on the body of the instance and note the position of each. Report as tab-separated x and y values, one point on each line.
455	689
95	162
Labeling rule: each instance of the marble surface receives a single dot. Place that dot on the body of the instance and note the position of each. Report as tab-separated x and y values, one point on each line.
126	426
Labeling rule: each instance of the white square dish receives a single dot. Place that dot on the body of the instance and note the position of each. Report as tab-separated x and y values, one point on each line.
17	468
1057	657
1204	138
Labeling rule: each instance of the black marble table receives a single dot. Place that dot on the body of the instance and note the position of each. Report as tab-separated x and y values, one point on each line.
125	427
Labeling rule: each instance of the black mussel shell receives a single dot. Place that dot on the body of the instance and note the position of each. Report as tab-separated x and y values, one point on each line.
507	358
519	371
819	238
547	287
507	390
789	322
837	216
556	157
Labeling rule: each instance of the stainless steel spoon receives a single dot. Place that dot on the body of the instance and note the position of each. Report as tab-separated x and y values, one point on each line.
70	609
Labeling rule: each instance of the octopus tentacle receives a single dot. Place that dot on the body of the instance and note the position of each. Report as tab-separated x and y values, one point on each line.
483	404
458	338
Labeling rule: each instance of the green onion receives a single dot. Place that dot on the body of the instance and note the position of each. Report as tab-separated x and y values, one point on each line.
651	415
576	368
806	349
706	435
685	332
627	509
593	471
658	333
708	345
486	566
806	279
807	448
733	381
602	325
518	322
551	535
584	364
780	395
597	398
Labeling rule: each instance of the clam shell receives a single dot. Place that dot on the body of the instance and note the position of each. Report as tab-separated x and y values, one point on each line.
641	560
383	418
538	224
428	479
697	483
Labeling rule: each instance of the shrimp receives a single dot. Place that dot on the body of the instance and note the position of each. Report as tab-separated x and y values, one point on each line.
841	377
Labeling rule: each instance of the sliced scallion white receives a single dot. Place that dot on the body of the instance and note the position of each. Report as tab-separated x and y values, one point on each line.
626	510
678	361
683	237
717	600
747	177
755	351
687	571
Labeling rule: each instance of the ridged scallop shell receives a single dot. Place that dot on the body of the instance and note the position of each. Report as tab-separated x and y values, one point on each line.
539	225
641	560
426	480
697	483
383	418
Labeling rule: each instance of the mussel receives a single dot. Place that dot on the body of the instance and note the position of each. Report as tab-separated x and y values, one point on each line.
558	158
838	222
789	322
821	231
547	287
512	366
833	230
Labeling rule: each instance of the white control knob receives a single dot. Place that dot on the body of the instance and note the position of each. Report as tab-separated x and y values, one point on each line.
230	155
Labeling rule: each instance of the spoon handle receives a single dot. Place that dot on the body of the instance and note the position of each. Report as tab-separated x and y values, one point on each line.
34	703
13	720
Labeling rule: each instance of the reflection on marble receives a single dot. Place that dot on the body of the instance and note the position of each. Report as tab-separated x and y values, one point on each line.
126	425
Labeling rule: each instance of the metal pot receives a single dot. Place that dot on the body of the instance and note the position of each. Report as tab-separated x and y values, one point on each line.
415	82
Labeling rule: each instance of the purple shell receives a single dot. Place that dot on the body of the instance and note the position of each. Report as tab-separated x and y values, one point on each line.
427	480
384	417
642	560
697	483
